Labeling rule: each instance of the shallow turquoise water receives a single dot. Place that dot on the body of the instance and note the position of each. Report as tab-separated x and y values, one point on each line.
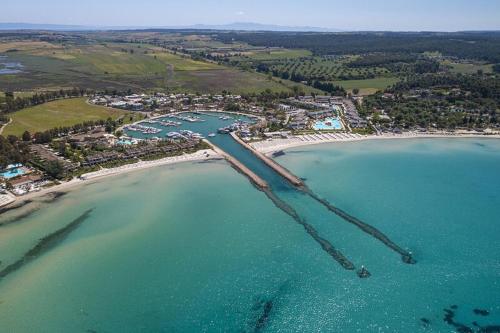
195	247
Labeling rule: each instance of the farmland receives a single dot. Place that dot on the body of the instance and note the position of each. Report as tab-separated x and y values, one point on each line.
58	113
367	86
301	66
122	66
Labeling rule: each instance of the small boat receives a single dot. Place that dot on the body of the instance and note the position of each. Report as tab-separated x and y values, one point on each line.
223	130
211	135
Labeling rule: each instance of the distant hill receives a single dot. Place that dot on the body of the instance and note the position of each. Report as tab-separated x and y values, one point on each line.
250	26
35	26
237	26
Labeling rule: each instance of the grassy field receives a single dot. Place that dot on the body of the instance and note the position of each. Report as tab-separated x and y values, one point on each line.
184	64
280	54
469	68
368	86
58	113
123	66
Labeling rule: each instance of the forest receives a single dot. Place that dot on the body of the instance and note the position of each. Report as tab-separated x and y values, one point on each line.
483	46
444	101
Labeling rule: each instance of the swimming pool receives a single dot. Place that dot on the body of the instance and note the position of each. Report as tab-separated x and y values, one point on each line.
126	142
328	124
13	171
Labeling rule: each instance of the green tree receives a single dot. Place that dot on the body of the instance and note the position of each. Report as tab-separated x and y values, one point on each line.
26	136
54	169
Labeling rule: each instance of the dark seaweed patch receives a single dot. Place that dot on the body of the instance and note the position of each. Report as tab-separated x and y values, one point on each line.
449	318
19	217
425	322
54	196
209	161
278	153
481	312
15	206
263	319
45	244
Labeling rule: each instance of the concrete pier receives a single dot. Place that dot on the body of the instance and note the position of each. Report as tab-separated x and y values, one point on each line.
271	163
259	182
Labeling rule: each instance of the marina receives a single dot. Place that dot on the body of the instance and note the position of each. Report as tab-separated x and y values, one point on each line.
278	183
143	129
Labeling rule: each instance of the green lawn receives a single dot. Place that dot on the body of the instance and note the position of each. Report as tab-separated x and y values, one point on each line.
470	68
279	54
183	64
368	86
59	113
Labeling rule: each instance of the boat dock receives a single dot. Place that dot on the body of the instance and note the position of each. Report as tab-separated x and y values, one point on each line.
272	164
259	182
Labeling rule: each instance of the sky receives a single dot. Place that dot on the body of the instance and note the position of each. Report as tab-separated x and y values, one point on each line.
395	15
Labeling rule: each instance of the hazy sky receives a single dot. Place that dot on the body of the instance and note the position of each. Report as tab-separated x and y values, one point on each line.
343	14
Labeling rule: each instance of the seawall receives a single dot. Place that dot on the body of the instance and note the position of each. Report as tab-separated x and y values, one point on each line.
240	166
271	163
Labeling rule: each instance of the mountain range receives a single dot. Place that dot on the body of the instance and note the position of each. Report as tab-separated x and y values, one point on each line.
237	26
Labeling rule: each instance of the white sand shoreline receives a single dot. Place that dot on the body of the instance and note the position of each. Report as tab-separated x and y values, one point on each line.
274	145
266	147
91	177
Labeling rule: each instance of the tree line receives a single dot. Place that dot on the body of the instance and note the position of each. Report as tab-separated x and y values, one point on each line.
12	103
470	45
47	136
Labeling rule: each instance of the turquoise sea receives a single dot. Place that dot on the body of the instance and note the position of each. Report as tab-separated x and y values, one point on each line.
195	247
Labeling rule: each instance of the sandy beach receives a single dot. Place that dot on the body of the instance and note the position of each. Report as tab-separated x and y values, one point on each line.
266	147
273	145
200	155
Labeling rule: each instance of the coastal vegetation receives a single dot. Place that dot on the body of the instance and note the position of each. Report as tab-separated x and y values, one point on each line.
64	112
12	150
438	100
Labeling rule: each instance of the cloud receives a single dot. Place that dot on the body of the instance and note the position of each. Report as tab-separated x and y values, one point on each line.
240	13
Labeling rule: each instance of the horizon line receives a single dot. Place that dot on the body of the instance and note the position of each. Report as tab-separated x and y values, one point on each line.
219	26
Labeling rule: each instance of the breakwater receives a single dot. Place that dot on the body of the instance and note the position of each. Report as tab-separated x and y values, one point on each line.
240	167
270	163
287	191
406	256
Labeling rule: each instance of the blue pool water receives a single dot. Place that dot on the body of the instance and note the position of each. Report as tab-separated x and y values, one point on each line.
12	172
125	142
327	124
